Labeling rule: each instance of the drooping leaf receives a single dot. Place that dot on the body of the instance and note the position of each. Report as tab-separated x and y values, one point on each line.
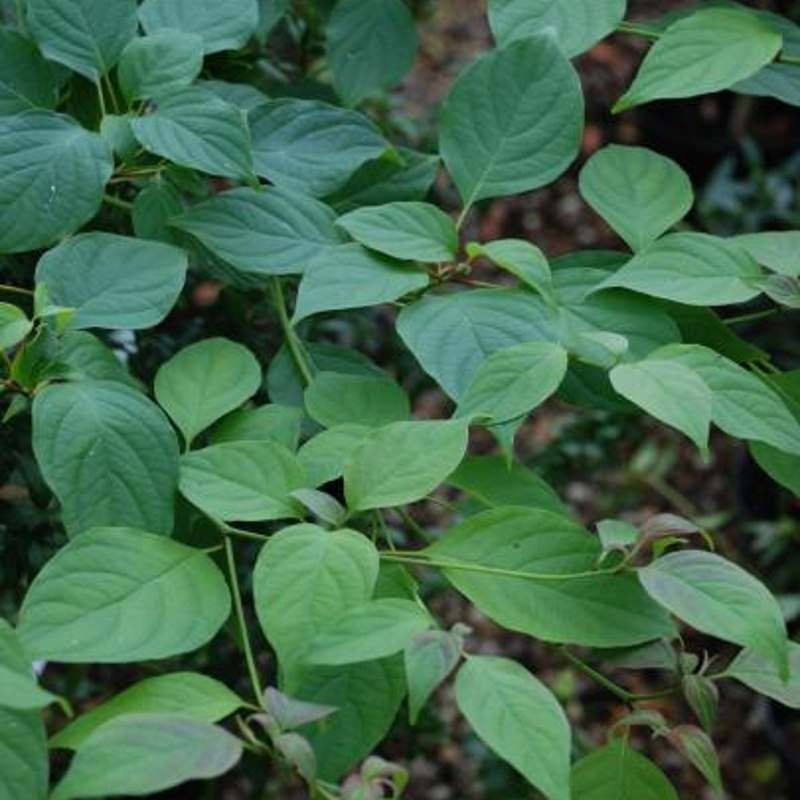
274	423
522	259
14	325
777	250
52	173
429	658
513	120
783	468
117	595
603	610
18	687
697	747
519	719
24	765
87	36
113	281
291	713
27	81
762	676
108	454
141	754
702	696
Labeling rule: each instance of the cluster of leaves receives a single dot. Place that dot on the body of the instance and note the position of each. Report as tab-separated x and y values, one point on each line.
124	152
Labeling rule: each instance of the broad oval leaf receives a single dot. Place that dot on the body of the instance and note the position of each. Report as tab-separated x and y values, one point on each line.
205	381
762	676
117	595
24	765
518	718
14	325
274	423
513	120
18	687
113	281
429	658
638	192
719	598
52	173
776	250
27	81
522	259
325	456
108	454
141	754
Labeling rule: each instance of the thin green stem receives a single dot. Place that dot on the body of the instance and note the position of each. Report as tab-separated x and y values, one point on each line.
463	216
411	523
100	98
242	534
237	604
756	315
112	95
118	202
4	287
295	347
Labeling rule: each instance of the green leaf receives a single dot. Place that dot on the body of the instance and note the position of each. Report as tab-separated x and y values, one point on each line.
371	46
141	754
305	577
270	13
616	535
52	173
783	289
310	146
321	505
719	598
242	95
411	231
118	595
513	381
619	772
271	232
325	457
429	658
603	610
374	630
23	755
14	326
783	468
354	277
692	268
290	713
205	381
87	36
89	359
269	423
108	454
761	675
18	687
577	24
776	250
697	747
640	193
702	696
513	120
226	26
337	399
156	65
522	259
244	481
670	392
403	462
183	694
113	281
518	718
707	51
153	208
194	128
27	81
493	482
117	133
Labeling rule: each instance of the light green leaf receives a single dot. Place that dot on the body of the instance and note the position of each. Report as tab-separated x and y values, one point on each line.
403	462
670	392
113	281
761	675
776	250
223	26
619	772
710	50
371	46
354	277
305	577
14	326
18	687
411	231
519	719
244	481
87	36
522	259
23	755
183	694
52	173
272	232
512	382
696	746
117	133
599	611
158	64
325	457
153	208
194	128
118	595
783	289
370	631
577	24
429	658
692	268
513	120
310	146
322	505
27	81
108	454
242	95
719	598
270	423
616	534
334	399
203	382
640	193
141	754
